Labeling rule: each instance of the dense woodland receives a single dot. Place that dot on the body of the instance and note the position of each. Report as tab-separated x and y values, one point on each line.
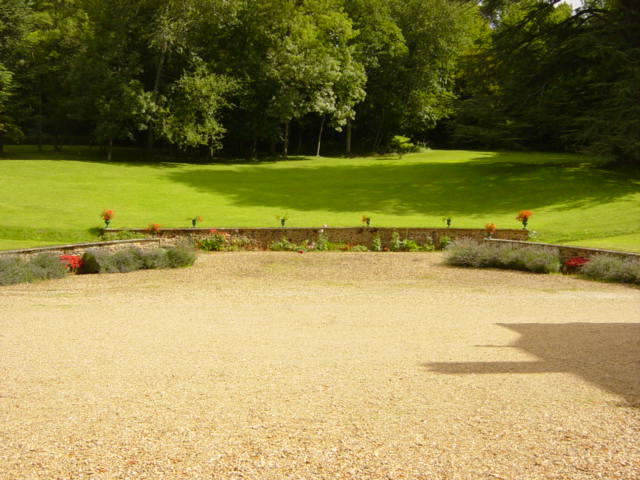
265	77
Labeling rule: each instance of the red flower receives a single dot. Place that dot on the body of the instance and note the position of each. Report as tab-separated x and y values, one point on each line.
107	215
154	227
524	215
72	262
576	262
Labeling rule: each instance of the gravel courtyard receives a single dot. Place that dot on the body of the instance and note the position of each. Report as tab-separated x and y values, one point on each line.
255	365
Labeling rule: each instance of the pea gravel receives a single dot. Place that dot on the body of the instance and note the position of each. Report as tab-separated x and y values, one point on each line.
273	365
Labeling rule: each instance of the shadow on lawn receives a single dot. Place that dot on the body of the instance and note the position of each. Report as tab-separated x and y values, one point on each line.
604	354
484	185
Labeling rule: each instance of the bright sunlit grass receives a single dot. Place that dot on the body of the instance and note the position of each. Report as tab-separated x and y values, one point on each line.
57	197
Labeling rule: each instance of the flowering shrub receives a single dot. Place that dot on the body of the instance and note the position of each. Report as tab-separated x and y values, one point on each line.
366	220
576	262
71	262
195	220
107	216
523	216
153	228
490	228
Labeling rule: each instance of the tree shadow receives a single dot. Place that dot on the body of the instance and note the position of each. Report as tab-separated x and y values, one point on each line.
481	186
604	354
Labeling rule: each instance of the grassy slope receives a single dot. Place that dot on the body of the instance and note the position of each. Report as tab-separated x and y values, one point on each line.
55	197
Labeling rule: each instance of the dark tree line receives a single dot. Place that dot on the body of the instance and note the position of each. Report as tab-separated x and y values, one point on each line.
250	77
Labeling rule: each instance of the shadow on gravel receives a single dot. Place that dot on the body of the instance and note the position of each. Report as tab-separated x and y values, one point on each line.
605	354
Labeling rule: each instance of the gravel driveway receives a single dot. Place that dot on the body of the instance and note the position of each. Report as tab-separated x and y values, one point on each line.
276	365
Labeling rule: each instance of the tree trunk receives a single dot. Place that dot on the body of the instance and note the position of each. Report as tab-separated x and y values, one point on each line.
156	86
378	138
300	135
1	148
285	148
320	136
39	122
348	137
110	150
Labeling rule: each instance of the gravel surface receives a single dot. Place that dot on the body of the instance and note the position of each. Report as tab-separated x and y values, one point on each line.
276	365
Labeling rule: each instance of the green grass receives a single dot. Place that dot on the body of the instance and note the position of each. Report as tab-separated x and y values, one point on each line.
53	197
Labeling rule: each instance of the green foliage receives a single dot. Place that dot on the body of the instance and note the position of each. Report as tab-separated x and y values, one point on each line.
286	245
468	253
154	259
127	260
323	244
44	266
401	145
545	77
359	248
131	259
406	245
376	244
192	116
444	241
609	268
214	242
180	256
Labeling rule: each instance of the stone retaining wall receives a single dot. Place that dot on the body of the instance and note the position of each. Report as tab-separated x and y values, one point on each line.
568	251
80	248
351	235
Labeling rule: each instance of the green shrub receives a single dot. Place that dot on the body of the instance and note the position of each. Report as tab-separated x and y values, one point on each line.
128	260
610	268
13	270
359	248
181	255
468	253
154	259
98	261
44	266
401	145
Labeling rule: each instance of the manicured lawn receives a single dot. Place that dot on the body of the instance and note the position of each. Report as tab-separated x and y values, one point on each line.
57	197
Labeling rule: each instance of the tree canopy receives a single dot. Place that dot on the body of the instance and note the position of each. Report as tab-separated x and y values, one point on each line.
245	77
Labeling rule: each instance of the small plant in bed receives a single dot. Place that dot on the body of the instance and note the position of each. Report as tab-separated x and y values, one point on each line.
214	242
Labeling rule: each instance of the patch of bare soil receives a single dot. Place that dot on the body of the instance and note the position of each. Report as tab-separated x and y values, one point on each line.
320	366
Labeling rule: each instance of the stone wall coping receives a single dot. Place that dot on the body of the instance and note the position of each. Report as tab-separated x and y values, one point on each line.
74	246
586	250
312	229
